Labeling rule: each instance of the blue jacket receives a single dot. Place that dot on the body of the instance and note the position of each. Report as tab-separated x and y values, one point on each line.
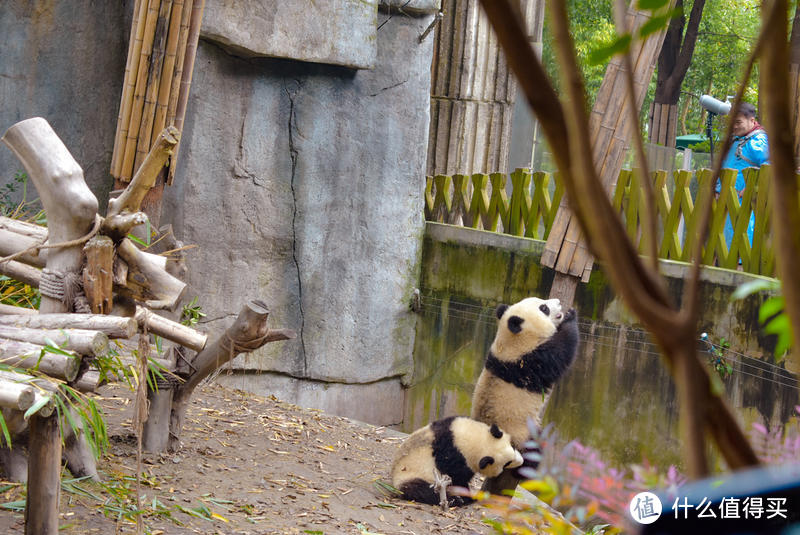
746	152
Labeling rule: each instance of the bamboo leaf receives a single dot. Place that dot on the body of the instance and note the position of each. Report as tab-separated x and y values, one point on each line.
652	5
770	307
619	45
749	288
33	409
4	427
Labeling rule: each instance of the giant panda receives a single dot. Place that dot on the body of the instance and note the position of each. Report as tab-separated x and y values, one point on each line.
535	344
457	447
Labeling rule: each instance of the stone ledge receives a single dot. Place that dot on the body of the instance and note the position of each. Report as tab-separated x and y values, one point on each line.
336	32
412	7
379	403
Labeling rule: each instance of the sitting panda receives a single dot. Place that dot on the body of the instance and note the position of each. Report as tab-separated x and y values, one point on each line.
457	447
535	344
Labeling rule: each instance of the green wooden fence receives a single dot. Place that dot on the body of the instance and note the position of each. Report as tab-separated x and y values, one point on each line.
481	201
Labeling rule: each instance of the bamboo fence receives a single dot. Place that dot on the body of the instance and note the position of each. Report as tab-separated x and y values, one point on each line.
483	201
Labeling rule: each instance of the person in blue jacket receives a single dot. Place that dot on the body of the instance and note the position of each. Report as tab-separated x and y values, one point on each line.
749	149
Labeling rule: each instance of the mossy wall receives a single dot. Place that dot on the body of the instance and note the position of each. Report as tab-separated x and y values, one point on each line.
618	396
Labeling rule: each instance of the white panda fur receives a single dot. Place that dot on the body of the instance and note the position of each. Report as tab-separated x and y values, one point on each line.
456	446
535	344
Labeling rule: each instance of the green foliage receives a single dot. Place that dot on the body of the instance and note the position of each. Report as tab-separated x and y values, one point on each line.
726	35
771	313
192	312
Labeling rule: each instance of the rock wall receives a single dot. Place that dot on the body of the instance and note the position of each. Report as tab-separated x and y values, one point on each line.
302	184
618	375
64	61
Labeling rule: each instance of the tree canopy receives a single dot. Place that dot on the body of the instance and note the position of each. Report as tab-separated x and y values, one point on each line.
728	31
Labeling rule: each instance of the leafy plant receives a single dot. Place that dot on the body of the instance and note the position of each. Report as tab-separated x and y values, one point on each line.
192	312
778	444
771	313
580	488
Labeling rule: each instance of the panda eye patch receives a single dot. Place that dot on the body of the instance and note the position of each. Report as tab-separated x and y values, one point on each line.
545	309
515	324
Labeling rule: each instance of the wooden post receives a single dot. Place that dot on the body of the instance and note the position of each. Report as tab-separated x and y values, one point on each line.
44	471
71	207
98	281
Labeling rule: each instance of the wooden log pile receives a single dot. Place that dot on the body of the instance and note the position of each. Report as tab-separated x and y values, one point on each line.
96	285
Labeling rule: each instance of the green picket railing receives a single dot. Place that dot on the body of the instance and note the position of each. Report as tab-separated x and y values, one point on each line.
481	201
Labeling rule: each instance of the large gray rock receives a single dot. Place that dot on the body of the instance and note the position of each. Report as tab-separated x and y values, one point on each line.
65	61
339	32
302	184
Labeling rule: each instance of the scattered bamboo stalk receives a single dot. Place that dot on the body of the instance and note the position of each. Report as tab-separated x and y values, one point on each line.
153	83
168	68
129	85
139	93
186	80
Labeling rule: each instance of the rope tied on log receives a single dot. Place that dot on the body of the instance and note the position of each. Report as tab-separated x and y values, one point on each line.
67	288
61	245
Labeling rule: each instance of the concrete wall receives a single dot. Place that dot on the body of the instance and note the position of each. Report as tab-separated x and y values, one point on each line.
301	183
618	396
64	61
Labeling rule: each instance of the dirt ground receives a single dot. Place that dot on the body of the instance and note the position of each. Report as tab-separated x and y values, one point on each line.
248	465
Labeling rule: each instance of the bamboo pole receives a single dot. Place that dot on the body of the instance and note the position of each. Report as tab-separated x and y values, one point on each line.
168	69
186	80
183	38
153	83
129	84
44	471
139	93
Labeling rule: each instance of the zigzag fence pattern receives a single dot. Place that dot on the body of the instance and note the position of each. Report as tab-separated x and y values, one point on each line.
528	205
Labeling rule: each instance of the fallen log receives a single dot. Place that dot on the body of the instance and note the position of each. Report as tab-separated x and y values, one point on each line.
248	332
88	381
81	341
171	330
112	326
14	395
33	356
41	387
12	310
21	272
148	280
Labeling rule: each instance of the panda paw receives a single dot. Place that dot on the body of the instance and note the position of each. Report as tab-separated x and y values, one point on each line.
571	315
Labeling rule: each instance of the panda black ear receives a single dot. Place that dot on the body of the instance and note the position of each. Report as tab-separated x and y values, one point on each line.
515	324
500	310
495	431
485	461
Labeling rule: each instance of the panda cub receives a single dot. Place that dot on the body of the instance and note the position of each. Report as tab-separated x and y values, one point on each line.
535	344
457	447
